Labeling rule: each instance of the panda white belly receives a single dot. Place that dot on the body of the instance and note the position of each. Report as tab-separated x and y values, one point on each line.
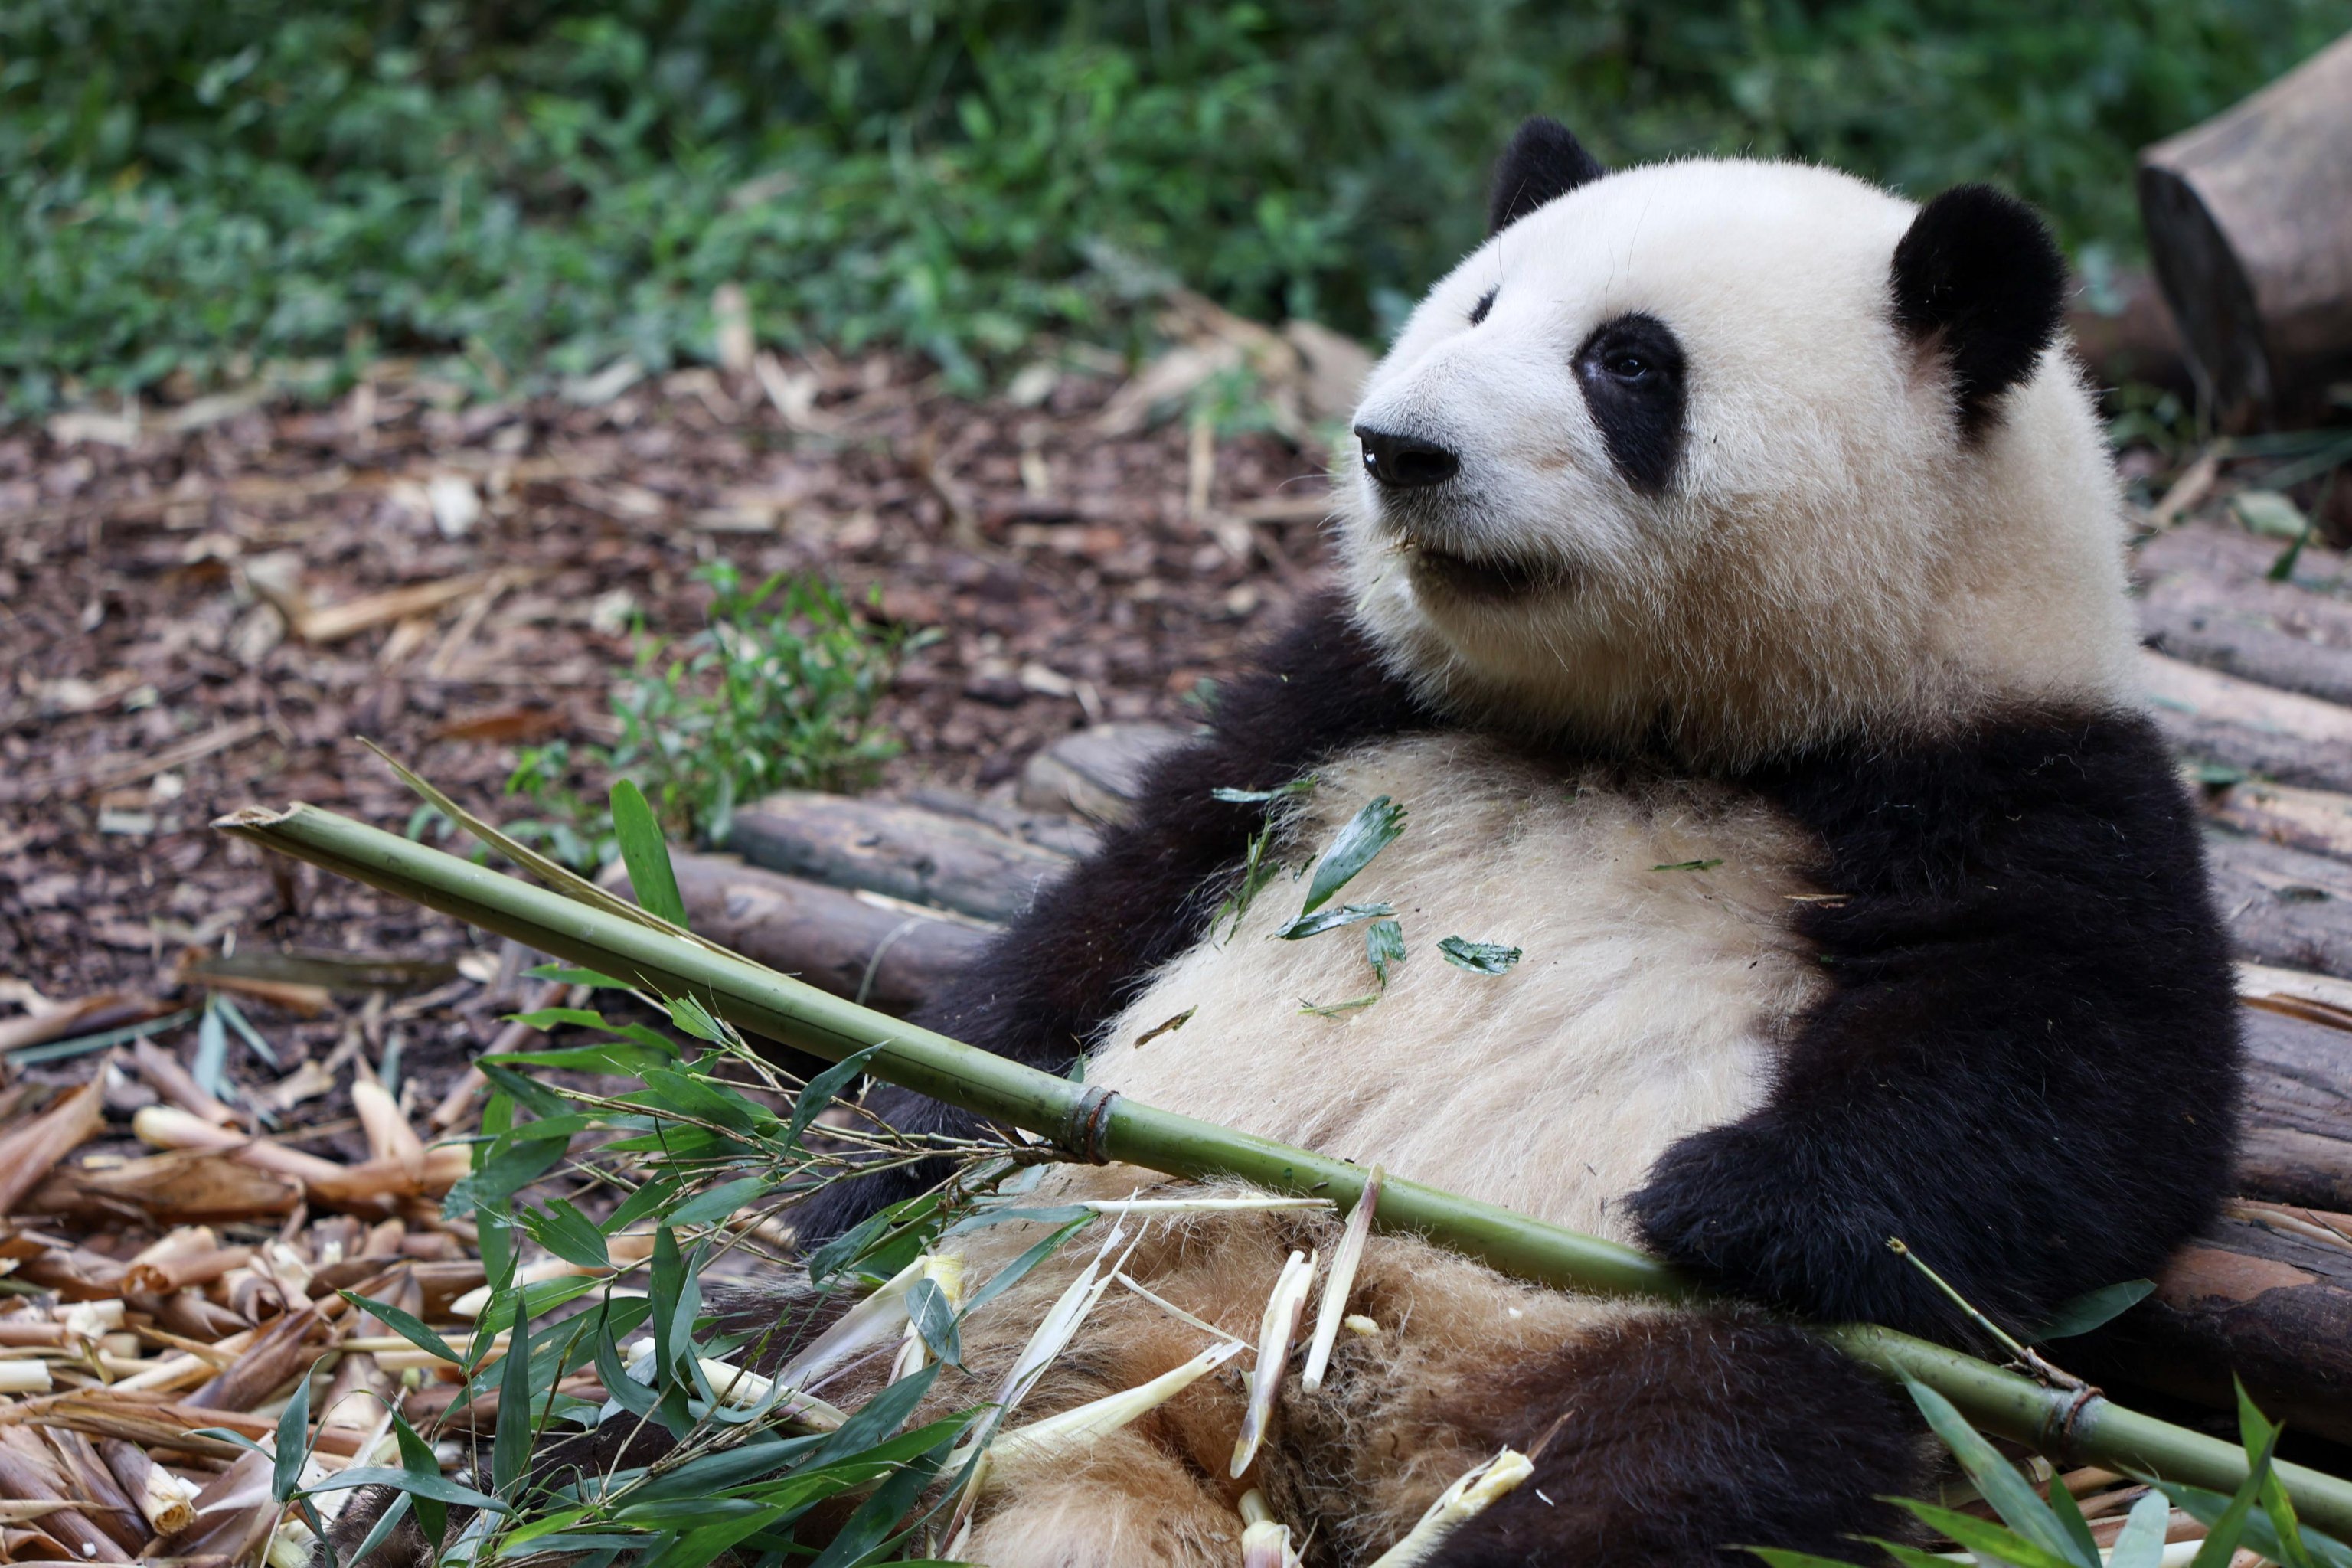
1647	1003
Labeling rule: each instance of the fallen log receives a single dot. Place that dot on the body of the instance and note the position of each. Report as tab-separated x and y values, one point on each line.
2296	1145
2265	1295
902	851
2317	820
2242	623
1098	772
2249	221
2250	728
2286	907
891	953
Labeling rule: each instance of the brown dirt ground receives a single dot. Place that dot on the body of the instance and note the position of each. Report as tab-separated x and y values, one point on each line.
148	686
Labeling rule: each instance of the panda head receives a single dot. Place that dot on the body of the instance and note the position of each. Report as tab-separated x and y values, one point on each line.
1737	457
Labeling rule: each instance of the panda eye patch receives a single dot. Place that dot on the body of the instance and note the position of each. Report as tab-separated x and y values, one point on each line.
1486	303
1631	369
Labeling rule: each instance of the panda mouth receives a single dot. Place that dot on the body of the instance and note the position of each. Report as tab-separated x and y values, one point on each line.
1467	578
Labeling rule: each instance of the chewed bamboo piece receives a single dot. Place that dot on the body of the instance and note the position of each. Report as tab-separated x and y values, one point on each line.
1274	1336
1465	1499
862	1327
1173	1206
1340	1280
1059	1435
1266	1541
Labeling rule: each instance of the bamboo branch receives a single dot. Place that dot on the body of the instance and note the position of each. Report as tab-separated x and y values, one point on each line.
2075	1426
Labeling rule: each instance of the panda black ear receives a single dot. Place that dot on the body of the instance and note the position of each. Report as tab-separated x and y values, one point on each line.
1980	278
1544	160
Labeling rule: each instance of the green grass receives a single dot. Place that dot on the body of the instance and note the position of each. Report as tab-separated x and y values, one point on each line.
522	191
776	692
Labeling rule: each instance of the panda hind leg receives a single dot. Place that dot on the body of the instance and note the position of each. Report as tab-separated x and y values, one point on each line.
1680	1437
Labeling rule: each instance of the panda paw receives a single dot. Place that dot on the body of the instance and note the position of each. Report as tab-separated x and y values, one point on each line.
1742	1212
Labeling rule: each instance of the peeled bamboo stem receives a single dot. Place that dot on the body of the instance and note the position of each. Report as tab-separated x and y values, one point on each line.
762	1001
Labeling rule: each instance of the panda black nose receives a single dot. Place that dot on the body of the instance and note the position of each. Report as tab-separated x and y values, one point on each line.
1406	462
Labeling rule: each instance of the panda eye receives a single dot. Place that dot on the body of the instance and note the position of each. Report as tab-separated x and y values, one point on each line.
1625	365
1486	303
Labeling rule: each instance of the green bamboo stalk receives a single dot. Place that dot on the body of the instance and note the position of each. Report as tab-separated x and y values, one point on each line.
2062	1422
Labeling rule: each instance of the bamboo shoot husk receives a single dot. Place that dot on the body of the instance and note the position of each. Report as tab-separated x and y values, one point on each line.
165	1500
23	1479
28	1152
2061	1422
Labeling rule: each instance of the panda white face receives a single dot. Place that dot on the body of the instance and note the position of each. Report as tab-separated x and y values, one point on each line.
1738	455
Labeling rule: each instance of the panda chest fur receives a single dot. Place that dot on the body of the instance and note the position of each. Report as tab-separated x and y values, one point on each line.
1658	970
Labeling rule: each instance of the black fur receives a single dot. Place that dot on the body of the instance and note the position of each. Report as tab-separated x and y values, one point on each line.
2027	1067
1544	160
1631	372
1486	303
1040	992
1979	277
1684	1438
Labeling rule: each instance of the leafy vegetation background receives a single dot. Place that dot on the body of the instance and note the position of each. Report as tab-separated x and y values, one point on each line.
537	189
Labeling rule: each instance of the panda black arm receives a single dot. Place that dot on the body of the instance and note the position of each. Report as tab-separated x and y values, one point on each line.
2026	1066
1040	992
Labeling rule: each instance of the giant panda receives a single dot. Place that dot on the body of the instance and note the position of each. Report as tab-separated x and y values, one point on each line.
1732	595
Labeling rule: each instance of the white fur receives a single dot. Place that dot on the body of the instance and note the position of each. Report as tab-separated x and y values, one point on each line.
1828	555
1644	1008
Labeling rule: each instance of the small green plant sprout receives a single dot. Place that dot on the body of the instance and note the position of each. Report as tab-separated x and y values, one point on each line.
2035	1532
777	691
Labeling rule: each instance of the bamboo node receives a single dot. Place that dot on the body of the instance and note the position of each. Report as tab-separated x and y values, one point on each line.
1082	1128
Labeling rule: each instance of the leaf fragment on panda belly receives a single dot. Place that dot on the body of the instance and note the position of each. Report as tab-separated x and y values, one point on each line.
1645	1006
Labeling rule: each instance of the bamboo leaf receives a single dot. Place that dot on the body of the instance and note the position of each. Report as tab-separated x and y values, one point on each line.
211	1062
572	1236
821	1089
2259	1436
934	1317
2019	1507
645	853
864	1538
1009	1276
568	975
2095	1308
416	1459
1384	948
711	1207
234	1016
436	1486
292	1442
2222	1539
406	1327
389	1521
1370	831
879	1418
1478	957
510	1446
2070	1520
1322	920
1334	1009
2141	1544
1986	1538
